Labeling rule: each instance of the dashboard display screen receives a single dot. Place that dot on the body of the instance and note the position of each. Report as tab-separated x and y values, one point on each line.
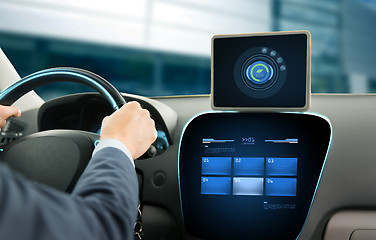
263	71
240	172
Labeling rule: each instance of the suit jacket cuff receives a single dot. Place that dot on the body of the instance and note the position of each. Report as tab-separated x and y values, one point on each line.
110	142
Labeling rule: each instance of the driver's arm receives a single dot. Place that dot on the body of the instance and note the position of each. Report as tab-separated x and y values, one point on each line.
104	202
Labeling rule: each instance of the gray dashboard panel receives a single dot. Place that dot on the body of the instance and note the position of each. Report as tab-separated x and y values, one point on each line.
348	180
349	175
351	224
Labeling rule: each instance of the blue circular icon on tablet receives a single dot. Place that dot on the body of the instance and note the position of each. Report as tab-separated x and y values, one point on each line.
259	72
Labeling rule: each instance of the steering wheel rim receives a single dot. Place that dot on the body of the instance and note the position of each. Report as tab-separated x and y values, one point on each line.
62	74
39	156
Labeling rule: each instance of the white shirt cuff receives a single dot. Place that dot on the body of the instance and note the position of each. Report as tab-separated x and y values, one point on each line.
110	142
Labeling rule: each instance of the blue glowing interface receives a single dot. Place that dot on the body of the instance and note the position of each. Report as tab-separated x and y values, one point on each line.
249	166
281	166
216	165
280	187
251	176
216	185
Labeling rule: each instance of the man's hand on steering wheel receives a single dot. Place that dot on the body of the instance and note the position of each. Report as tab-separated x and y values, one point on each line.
132	126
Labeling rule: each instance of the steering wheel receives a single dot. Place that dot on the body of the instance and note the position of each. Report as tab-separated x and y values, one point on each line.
55	157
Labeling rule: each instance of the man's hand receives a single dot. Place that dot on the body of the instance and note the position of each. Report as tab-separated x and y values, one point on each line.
7	112
132	126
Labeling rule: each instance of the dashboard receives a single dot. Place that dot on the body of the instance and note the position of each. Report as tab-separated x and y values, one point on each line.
86	112
343	201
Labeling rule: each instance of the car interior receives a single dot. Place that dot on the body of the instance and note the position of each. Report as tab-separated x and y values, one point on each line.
264	131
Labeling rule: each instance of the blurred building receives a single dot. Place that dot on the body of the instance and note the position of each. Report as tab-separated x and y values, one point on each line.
323	19
162	47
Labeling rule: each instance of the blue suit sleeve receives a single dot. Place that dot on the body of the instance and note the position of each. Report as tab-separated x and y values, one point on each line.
103	204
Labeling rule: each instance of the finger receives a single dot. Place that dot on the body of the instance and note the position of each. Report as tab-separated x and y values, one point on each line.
155	134
10	111
2	123
134	103
134	106
104	119
145	113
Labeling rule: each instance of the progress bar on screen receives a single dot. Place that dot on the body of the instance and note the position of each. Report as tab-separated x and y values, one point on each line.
287	140
211	140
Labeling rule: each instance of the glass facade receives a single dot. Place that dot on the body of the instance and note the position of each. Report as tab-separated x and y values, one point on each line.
161	47
323	20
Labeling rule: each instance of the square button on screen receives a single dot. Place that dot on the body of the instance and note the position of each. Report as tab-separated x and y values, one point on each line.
216	185
281	166
216	166
248	186
249	166
280	187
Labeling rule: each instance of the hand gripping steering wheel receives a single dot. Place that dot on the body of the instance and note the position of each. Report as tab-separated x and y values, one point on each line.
55	157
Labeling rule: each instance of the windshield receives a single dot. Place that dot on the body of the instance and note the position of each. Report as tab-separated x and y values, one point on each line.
162	47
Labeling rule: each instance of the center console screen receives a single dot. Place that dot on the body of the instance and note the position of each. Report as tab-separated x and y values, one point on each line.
250	175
